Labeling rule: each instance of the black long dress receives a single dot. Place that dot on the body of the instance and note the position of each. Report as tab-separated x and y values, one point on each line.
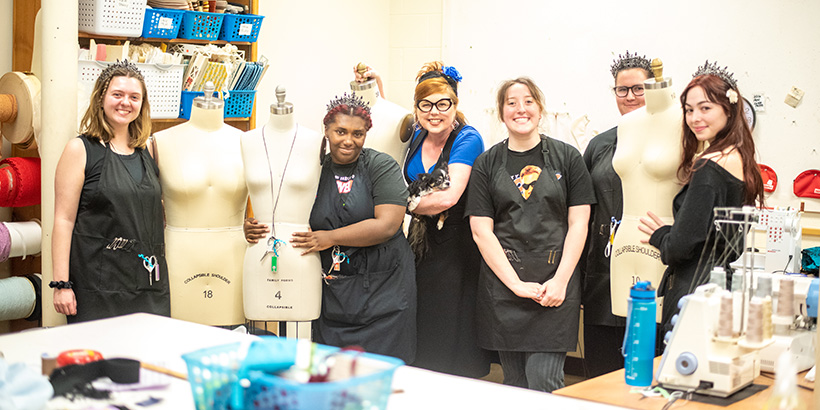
447	279
118	236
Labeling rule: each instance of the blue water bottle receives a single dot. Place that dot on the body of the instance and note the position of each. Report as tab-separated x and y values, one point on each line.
639	340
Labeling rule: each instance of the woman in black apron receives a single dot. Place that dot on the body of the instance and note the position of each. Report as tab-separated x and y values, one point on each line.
369	294
529	207
108	244
447	268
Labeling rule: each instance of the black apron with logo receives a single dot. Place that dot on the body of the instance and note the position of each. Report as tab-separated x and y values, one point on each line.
120	220
447	278
371	300
506	321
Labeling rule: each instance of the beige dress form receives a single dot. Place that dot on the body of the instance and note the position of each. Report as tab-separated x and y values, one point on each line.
282	182
646	159
388	121
205	196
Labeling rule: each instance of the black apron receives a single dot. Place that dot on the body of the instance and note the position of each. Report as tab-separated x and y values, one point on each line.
506	321
371	300
447	279
118	222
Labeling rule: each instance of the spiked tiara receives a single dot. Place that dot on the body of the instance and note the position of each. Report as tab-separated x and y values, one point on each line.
625	62
351	100
716	70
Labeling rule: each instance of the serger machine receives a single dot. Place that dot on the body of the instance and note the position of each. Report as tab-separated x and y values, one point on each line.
724	336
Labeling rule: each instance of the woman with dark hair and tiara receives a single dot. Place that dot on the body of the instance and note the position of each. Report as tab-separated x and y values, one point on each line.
718	169
603	331
108	244
369	294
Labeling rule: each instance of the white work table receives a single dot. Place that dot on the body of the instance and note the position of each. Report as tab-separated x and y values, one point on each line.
160	340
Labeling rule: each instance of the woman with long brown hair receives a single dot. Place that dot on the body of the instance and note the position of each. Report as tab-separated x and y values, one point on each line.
108	244
718	169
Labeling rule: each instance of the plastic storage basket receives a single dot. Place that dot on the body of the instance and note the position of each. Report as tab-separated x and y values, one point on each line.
161	23
112	17
200	25
164	84
214	377
239	103
240	27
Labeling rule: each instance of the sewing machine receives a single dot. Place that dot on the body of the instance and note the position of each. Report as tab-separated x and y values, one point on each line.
710	349
783	239
697	359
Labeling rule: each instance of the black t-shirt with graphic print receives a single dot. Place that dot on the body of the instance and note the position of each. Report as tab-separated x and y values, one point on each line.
525	168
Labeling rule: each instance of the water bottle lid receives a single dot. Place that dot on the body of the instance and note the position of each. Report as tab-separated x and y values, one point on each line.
642	290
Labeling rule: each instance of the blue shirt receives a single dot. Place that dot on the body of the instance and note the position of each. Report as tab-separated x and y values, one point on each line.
466	148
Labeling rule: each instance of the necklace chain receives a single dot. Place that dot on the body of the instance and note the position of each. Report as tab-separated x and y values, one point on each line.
275	200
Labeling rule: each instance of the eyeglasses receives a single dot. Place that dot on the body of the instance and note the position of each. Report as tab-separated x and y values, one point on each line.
441	105
622	92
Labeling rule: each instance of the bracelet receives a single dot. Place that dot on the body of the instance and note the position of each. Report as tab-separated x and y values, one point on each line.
61	284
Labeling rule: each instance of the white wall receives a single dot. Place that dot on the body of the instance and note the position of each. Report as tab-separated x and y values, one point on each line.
567	48
313	46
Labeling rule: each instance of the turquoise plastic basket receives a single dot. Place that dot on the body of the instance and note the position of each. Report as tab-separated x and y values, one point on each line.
161	23
199	25
240	27
214	377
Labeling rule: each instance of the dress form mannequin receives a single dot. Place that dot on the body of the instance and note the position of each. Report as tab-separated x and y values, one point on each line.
392	124
204	192
282	182
646	159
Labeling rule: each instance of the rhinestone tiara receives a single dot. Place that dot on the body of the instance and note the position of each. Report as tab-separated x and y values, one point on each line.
714	69
351	100
625	62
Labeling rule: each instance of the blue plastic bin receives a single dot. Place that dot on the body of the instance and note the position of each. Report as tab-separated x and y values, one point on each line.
162	23
198	25
240	27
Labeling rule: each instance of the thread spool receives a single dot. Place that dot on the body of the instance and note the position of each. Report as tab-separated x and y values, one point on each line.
17	298
725	318
25	238
754	328
737	281
768	326
718	277
764	287
785	298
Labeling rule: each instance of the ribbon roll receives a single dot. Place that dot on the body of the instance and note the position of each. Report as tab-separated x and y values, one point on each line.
19	182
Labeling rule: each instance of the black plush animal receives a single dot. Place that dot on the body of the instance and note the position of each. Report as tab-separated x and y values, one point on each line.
425	184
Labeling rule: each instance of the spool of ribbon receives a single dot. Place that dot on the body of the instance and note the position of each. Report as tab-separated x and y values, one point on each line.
24	238
18	298
19	182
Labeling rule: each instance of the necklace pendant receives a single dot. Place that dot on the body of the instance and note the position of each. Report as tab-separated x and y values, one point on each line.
273	263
